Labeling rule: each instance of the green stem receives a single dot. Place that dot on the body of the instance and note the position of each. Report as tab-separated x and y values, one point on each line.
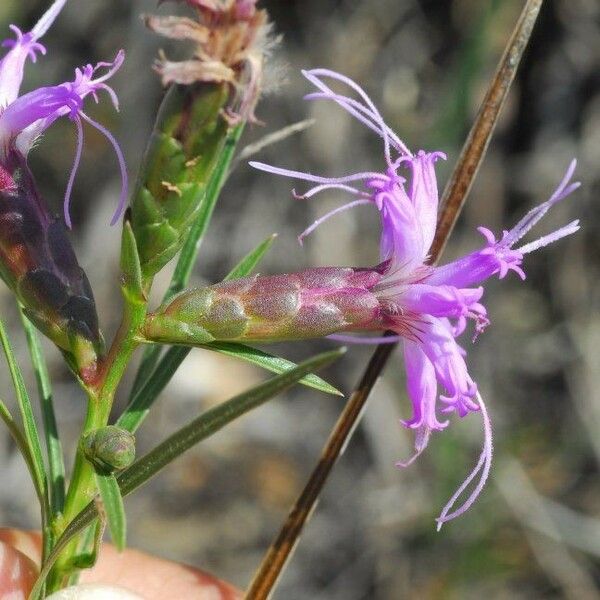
194	432
82	488
81	491
101	393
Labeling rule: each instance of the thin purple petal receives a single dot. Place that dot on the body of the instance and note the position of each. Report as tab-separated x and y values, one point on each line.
25	46
317	189
483	465
533	216
315	178
76	161
122	167
330	214
313	76
569	229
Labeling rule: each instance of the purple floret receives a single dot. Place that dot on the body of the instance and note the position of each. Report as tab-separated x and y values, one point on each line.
24	118
428	307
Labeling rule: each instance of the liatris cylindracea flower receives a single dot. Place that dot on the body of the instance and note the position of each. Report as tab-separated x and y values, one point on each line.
428	307
38	262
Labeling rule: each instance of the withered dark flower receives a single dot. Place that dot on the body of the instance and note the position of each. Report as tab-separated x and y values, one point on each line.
231	38
37	262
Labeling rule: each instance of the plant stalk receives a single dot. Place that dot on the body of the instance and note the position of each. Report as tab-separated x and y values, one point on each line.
82	487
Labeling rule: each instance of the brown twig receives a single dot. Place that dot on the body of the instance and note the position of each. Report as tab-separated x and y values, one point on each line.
476	144
452	202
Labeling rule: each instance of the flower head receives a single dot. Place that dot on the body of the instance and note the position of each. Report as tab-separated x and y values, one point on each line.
428	307
24	118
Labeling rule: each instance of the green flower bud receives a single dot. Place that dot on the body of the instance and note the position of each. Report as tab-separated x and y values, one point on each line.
312	303
109	448
188	137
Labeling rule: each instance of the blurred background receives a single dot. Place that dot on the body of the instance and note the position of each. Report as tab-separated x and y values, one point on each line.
535	532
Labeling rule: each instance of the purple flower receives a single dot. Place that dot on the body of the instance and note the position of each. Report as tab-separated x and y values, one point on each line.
24	118
428	307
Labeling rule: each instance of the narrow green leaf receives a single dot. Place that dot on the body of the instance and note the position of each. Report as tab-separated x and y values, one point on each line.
56	465
249	262
201	428
30	428
112	505
267	361
91	544
215	419
131	283
17	436
139	406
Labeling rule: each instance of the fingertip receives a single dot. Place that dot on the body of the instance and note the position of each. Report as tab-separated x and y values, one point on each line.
17	573
28	543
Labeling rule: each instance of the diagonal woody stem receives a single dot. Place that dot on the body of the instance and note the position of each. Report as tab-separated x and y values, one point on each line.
453	199
475	146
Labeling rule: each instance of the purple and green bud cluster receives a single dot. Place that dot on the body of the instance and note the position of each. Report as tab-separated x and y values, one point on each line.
312	303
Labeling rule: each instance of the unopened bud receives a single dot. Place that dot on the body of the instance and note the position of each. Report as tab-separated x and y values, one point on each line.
188	137
109	448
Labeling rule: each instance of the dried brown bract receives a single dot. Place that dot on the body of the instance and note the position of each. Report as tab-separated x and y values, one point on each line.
231	39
